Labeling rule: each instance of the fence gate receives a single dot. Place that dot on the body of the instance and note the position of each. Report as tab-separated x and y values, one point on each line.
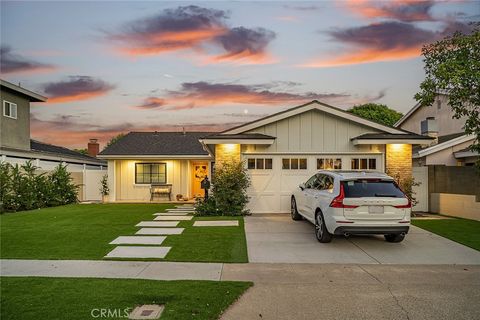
420	174
91	182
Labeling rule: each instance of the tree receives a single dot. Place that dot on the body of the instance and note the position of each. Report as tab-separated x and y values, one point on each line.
82	151
377	112
114	140
452	67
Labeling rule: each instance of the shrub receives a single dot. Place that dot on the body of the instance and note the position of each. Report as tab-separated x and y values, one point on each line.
104	189
407	184
229	188
23	188
206	208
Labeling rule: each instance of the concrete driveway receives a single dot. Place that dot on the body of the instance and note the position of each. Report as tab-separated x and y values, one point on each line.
279	239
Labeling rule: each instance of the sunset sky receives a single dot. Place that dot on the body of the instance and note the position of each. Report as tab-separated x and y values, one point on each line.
111	67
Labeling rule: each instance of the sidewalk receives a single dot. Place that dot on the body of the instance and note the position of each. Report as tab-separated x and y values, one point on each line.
111	269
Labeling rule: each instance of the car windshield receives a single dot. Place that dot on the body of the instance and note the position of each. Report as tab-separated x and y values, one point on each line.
371	188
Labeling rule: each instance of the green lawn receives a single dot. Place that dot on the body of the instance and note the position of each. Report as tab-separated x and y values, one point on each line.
83	231
77	298
464	231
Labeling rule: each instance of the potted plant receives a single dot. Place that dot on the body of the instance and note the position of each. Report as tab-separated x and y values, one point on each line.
104	190
179	197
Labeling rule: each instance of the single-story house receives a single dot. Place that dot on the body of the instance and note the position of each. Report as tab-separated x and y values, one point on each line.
280	151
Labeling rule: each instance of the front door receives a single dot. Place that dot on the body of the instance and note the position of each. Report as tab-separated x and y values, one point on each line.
199	172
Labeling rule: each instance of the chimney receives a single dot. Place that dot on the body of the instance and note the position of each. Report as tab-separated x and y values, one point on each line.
429	128
93	148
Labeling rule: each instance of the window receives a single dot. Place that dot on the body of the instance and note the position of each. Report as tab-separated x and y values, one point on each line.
259	164
329	164
364	164
312	182
9	109
147	173
371	188
294	164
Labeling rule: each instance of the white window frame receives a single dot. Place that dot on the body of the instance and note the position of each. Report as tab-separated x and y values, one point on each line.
10	109
368	163
261	159
333	161
290	163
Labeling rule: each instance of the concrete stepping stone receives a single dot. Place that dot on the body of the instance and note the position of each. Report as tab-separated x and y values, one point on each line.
157	224
173	218
160	231
172	213
139	240
138	252
226	223
179	210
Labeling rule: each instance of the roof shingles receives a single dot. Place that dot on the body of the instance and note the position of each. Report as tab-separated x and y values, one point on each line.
158	143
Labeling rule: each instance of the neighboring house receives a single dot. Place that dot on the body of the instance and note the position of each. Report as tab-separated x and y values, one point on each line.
16	147
449	183
450	146
280	151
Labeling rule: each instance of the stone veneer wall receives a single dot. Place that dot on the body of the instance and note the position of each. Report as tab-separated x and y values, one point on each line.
399	160
227	152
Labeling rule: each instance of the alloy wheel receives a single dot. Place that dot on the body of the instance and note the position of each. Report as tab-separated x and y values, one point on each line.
319	226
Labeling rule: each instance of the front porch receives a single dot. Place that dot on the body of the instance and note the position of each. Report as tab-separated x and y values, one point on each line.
133	180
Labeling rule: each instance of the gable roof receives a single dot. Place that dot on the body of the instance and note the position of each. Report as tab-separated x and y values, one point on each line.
157	144
442	146
312	105
32	96
53	150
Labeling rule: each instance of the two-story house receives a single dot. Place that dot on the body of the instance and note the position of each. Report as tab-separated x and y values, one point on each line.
16	146
449	182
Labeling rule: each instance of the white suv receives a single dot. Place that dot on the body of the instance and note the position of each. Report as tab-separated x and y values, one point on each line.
352	202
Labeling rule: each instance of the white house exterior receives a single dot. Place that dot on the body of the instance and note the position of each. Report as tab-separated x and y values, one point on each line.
285	149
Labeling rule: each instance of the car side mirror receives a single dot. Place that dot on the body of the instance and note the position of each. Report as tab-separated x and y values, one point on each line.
302	186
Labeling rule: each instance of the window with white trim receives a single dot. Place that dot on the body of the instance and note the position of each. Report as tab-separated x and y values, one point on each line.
294	163
364	164
259	163
329	163
9	109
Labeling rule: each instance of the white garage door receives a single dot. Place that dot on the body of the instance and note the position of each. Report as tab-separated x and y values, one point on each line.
274	177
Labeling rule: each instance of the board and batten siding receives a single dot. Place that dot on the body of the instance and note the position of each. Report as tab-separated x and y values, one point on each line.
127	190
313	131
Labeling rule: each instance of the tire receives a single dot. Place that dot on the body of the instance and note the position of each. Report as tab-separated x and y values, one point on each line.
321	232
293	210
394	237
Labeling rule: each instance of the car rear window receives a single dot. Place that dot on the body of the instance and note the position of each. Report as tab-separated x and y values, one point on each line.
371	188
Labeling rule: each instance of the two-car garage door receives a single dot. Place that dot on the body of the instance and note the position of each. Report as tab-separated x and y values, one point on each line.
274	177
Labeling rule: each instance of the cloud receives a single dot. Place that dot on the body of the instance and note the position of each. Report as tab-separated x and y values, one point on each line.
172	29
204	94
76	88
401	10
245	44
152	103
11	62
194	28
302	8
383	41
64	131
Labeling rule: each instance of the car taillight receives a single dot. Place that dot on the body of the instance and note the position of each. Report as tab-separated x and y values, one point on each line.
337	202
404	206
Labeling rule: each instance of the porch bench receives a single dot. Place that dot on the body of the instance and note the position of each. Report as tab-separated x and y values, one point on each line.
160	190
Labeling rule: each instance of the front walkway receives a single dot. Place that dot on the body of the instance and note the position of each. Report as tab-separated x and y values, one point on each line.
279	239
